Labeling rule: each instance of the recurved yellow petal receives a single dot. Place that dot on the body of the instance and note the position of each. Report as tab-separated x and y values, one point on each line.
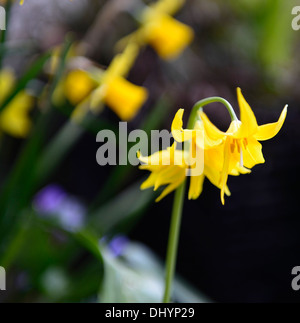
159	158
224	174
270	130
252	153
212	135
170	188
178	133
211	130
196	186
214	177
249	125
150	181
168	175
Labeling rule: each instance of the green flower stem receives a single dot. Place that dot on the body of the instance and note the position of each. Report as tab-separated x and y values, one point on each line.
173	240
179	200
200	104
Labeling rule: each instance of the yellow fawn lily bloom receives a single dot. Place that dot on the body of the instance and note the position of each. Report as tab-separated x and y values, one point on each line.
167	168
241	141
211	144
14	119
212	152
211	158
233	152
171	166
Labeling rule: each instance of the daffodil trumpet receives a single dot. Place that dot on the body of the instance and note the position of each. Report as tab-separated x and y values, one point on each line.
166	35
89	91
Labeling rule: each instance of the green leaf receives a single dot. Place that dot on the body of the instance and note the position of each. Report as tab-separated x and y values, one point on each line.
138	277
122	209
31	73
21	183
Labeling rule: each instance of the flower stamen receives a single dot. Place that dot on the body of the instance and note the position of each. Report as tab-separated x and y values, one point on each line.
241	157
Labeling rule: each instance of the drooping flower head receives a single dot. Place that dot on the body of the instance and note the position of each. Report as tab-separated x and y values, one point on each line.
233	152
90	88
240	142
167	167
166	35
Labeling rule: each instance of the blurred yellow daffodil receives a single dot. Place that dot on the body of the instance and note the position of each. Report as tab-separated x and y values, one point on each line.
14	118
159	29
110	87
166	35
124	98
78	84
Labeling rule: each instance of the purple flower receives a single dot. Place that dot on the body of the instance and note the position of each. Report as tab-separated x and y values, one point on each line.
118	245
54	202
49	199
72	214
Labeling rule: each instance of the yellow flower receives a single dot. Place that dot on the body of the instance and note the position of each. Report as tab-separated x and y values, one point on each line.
166	35
167	168
111	88
240	143
78	84
171	166
211	151
159	29
124	98
14	119
233	152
